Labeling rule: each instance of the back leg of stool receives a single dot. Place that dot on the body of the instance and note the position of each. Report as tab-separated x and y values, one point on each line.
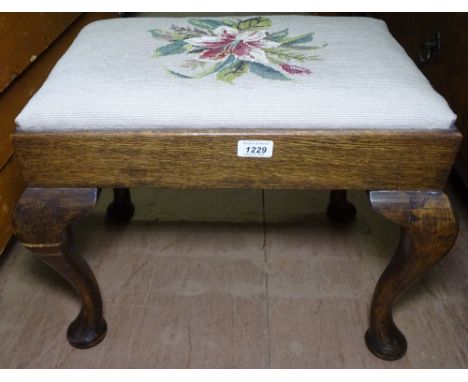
339	209
429	230
121	208
41	219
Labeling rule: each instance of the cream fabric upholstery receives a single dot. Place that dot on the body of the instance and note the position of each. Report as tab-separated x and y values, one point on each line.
303	72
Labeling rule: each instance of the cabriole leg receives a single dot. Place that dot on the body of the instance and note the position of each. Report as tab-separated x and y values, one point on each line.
339	209
42	217
121	208
429	230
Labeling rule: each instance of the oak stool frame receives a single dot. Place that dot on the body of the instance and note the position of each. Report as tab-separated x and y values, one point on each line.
404	171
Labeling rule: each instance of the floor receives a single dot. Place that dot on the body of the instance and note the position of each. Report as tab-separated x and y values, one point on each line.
286	288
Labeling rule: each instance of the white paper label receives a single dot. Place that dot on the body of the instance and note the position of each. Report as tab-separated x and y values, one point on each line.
255	149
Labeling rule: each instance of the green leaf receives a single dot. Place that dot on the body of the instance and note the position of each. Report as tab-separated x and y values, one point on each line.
287	54
230	73
277	36
175	47
230	22
168	35
196	50
157	33
254	23
267	72
177	74
303	47
176	33
213	69
209	24
301	39
273	59
216	68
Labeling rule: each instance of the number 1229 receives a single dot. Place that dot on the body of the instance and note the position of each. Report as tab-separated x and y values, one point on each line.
255	150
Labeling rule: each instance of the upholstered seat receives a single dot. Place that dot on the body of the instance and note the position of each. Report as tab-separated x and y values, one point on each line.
297	72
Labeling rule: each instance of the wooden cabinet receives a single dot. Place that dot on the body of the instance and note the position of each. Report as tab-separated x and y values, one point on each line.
446	66
24	37
30	45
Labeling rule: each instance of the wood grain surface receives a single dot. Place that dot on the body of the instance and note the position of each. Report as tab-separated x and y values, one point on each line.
41	219
429	231
41	215
11	187
25	35
332	159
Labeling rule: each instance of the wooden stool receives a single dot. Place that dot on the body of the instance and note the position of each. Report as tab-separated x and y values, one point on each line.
254	102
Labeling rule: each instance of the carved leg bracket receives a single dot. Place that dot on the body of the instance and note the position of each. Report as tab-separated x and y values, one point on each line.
429	230
339	209
41	219
121	208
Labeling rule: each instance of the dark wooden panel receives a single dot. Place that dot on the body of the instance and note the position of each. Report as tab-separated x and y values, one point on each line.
25	36
329	159
11	187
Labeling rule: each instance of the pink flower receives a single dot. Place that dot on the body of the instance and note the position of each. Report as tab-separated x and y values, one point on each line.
294	69
246	45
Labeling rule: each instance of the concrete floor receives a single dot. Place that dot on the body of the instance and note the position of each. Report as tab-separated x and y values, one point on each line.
182	288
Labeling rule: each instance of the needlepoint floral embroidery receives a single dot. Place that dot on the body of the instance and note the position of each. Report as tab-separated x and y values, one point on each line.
232	47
